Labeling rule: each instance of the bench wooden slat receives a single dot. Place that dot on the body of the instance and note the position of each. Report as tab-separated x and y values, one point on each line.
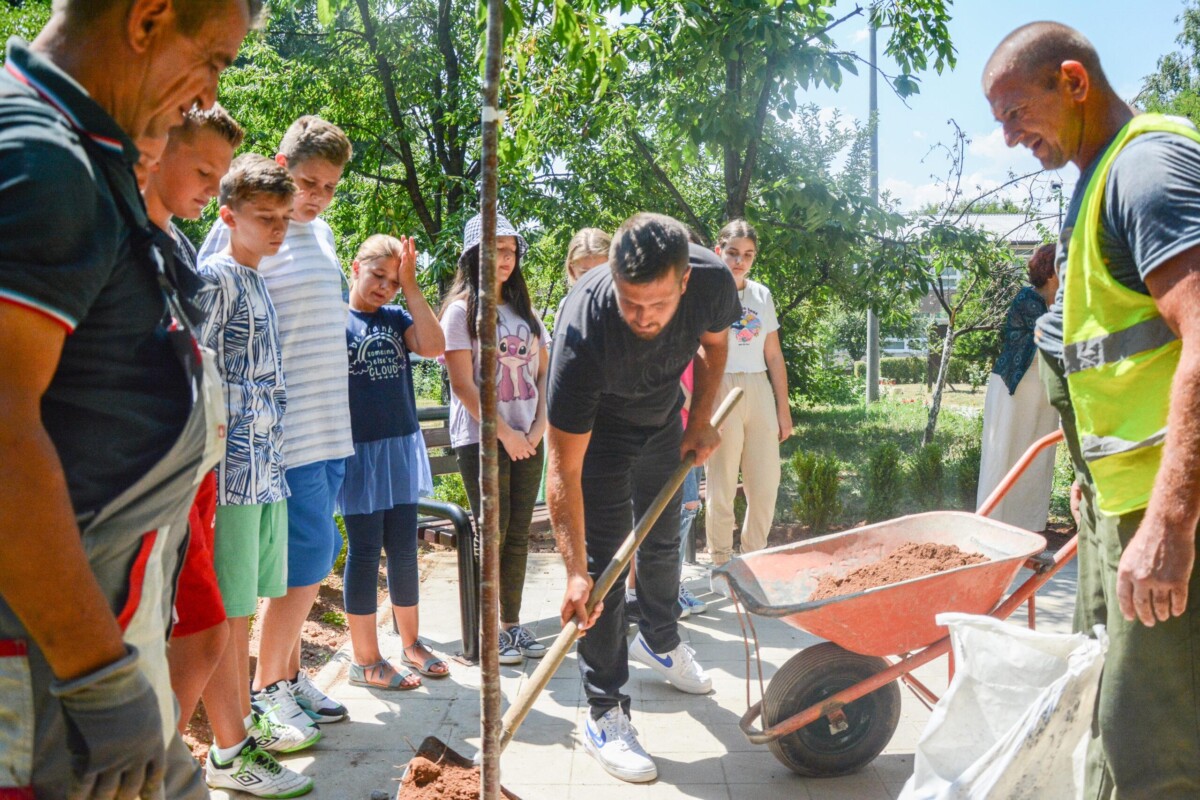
436	437
443	465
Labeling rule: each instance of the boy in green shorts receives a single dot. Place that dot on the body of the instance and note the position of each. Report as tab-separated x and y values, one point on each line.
250	547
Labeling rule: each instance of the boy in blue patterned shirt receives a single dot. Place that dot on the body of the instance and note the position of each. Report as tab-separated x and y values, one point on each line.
250	546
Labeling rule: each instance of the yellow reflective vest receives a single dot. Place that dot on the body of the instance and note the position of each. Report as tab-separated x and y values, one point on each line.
1119	354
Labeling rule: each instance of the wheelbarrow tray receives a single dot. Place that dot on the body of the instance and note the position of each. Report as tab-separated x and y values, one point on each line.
892	619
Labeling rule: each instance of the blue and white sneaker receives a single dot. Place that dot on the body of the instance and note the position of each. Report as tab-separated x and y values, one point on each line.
679	666
319	706
612	741
690	604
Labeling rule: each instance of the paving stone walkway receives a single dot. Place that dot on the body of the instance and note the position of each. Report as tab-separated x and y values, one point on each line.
695	740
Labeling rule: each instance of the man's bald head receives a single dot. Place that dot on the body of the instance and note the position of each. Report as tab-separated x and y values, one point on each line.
1037	51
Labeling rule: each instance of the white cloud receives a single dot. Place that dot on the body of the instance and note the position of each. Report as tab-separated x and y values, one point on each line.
989	145
913	196
919	136
988	151
859	36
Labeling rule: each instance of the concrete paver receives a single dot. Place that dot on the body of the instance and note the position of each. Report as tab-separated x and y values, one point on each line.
695	740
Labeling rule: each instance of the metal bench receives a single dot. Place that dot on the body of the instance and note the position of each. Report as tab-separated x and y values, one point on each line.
450	525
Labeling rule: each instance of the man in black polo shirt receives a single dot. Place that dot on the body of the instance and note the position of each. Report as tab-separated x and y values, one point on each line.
621	344
101	422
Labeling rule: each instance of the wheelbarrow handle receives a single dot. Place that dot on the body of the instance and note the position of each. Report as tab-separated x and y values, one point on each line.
549	663
1018	469
746	723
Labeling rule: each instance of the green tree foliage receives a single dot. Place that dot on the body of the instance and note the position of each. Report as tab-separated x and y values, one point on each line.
693	109
1175	87
23	18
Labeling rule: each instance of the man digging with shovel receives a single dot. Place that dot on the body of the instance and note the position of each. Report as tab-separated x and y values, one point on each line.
624	338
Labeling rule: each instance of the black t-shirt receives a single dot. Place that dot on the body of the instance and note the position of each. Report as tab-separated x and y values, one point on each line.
119	397
600	369
180	262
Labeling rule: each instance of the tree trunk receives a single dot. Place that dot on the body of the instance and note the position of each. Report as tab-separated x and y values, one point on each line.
935	406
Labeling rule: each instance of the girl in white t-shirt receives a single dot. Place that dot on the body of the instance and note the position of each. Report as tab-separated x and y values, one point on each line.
522	358
750	438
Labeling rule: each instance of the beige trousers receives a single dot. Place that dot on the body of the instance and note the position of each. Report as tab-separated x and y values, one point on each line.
749	444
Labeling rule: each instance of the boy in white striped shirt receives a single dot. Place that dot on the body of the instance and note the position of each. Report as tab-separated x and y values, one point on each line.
308	288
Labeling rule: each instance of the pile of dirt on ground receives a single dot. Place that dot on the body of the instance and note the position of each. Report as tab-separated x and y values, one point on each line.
910	560
429	780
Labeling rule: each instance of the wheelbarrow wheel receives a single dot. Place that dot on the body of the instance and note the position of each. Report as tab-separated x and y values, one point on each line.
806	680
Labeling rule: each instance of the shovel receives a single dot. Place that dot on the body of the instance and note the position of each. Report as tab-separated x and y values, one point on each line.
550	663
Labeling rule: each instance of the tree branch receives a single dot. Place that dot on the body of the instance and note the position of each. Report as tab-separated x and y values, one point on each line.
644	150
387	79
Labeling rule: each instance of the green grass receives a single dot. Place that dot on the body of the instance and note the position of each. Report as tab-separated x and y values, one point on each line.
850	432
961	395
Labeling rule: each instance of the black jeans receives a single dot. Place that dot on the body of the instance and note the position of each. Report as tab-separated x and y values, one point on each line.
519	481
623	471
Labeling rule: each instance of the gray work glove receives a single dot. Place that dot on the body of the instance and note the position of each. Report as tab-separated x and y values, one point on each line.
114	733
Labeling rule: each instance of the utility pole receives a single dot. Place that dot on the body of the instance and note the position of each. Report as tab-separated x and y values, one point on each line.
872	319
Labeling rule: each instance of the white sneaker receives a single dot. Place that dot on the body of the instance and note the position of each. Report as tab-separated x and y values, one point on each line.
279	737
612	741
277	700
255	771
319	706
678	666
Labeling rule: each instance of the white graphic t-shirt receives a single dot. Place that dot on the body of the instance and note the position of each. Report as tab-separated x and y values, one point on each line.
516	371
748	336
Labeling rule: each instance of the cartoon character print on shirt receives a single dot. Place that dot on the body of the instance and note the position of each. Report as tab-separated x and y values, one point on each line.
749	326
379	353
515	352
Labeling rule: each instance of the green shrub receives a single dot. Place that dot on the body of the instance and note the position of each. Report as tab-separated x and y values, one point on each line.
883	481
907	369
449	489
340	563
817	502
336	618
977	374
911	369
830	384
967	473
927	474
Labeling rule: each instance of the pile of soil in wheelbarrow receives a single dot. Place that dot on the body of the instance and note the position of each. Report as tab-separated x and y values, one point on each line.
910	560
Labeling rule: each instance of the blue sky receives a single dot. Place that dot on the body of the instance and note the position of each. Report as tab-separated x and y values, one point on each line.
1130	38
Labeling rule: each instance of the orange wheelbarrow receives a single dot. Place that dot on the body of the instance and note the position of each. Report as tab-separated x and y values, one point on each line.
832	708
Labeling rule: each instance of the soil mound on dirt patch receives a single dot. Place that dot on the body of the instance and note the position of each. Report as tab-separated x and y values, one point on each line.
427	780
910	560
